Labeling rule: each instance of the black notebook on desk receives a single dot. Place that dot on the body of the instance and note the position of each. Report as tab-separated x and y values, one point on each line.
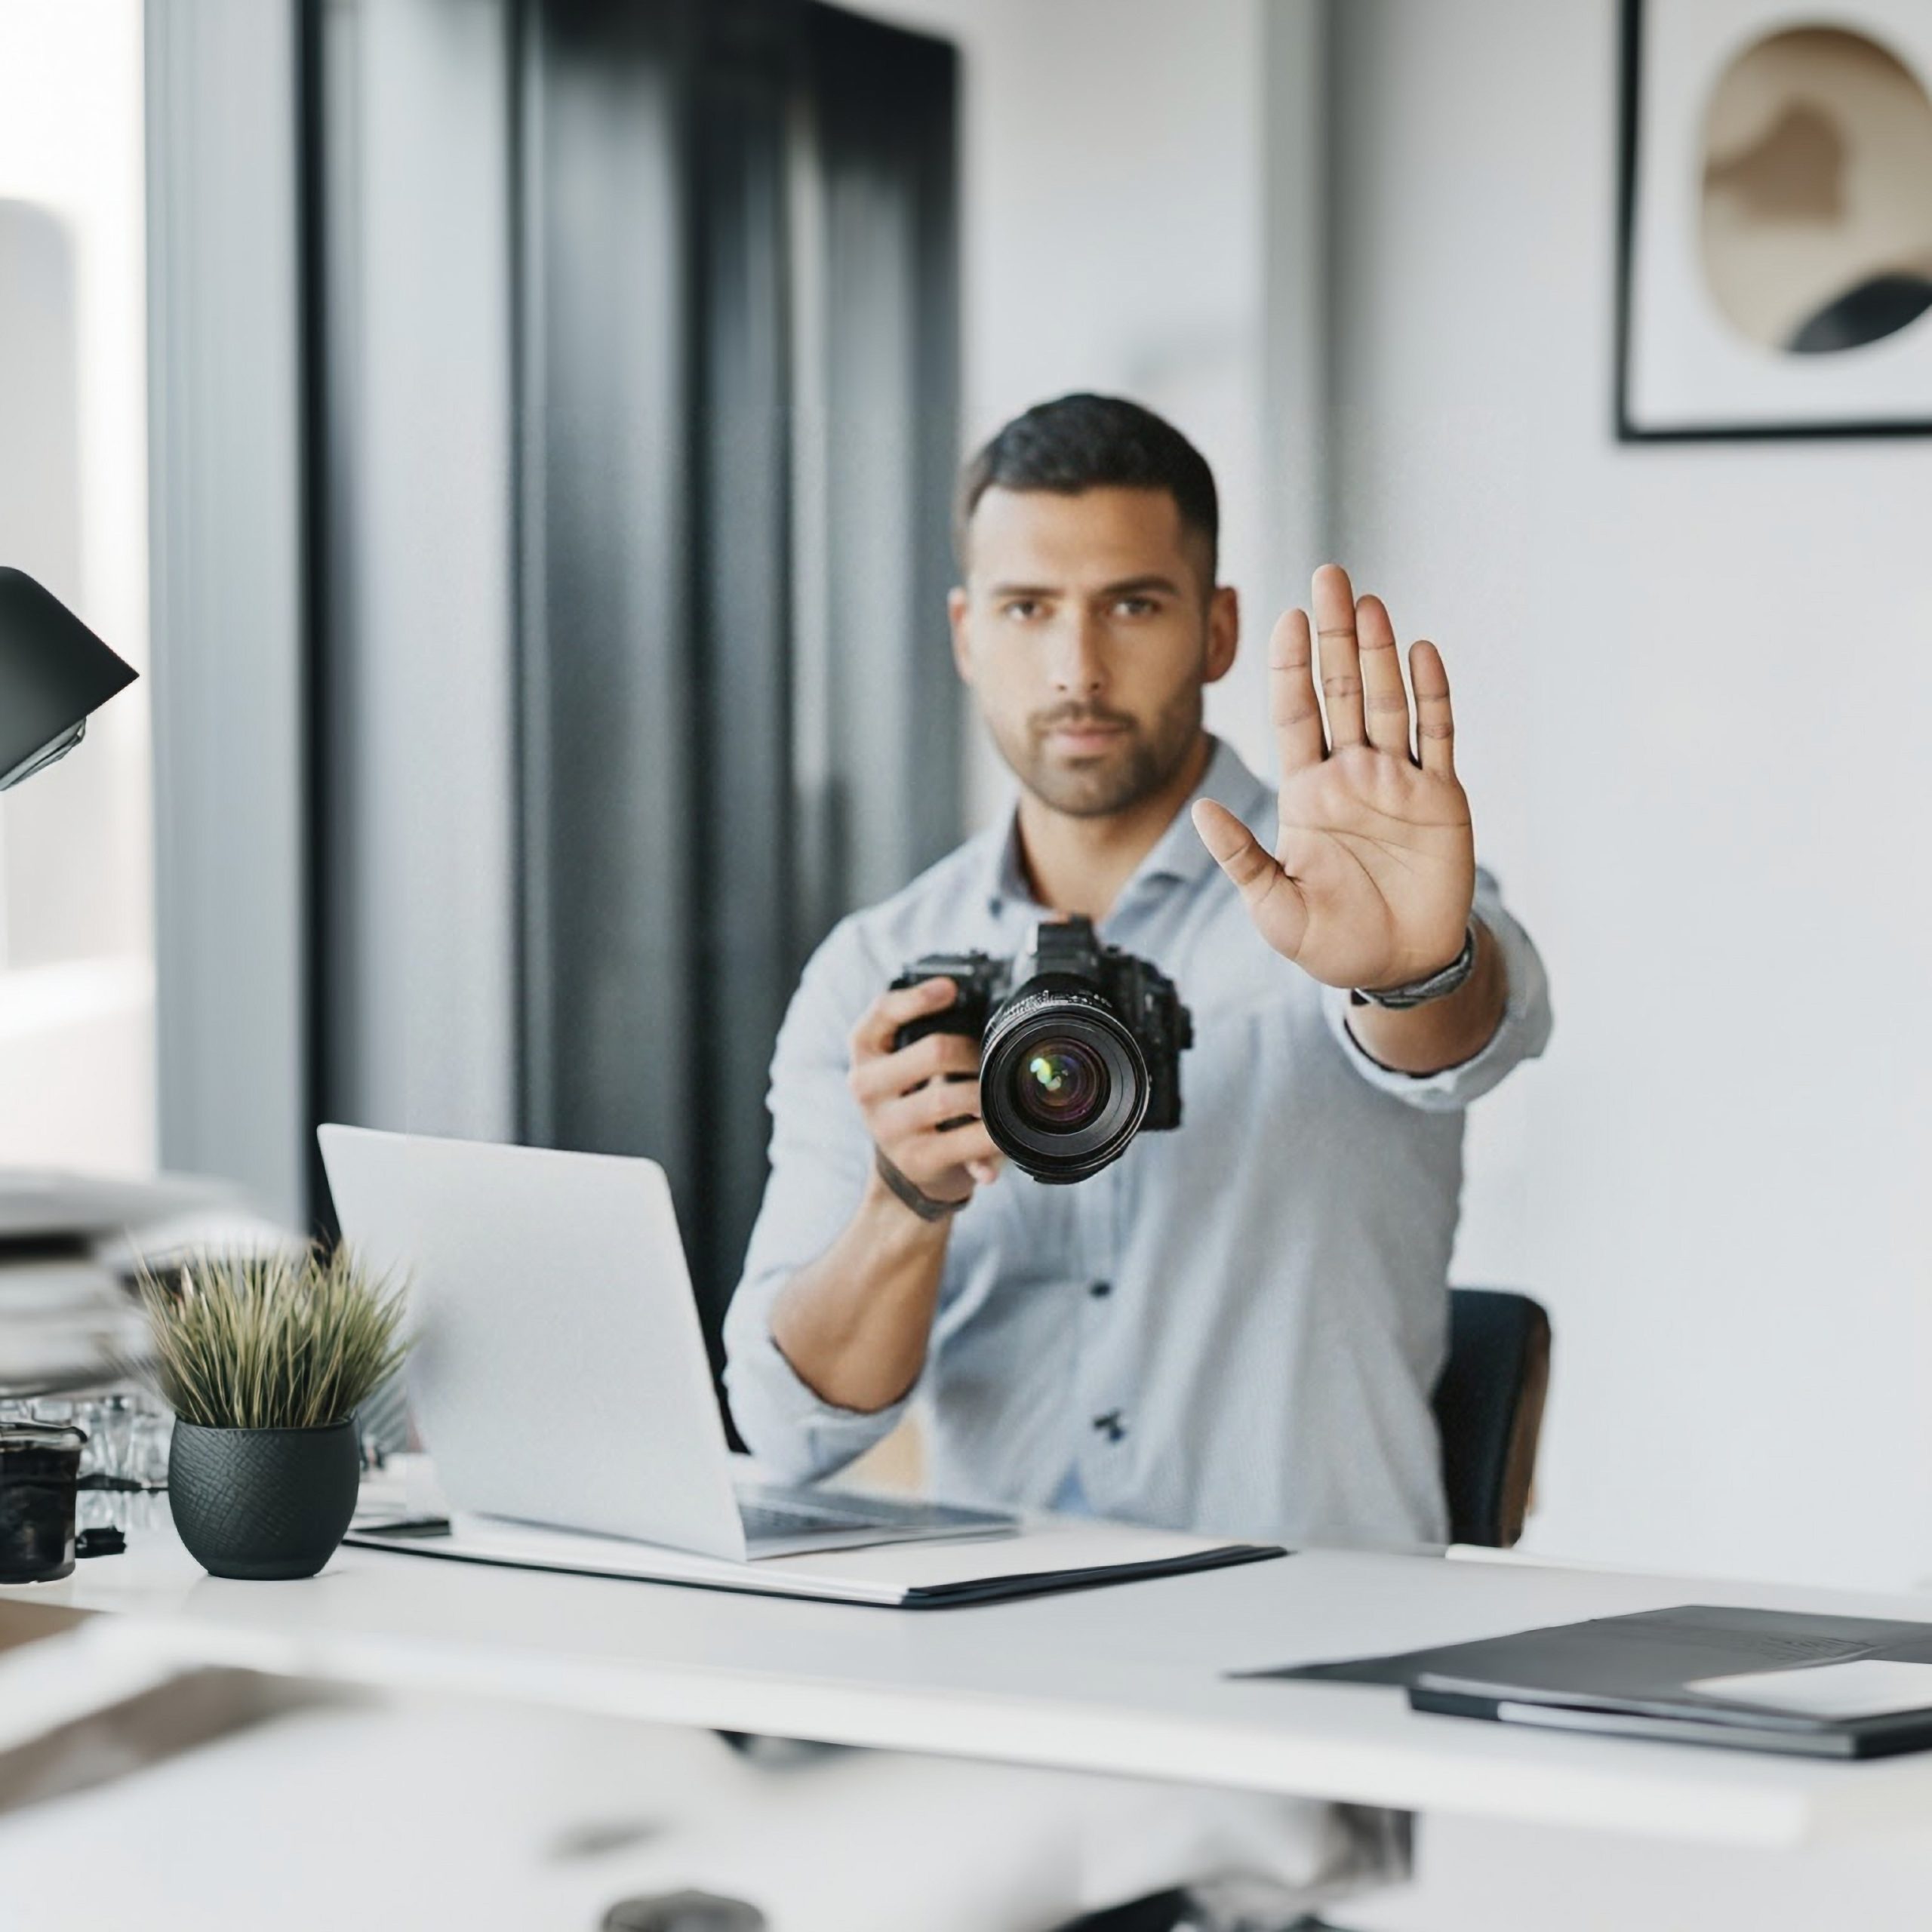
1752	1680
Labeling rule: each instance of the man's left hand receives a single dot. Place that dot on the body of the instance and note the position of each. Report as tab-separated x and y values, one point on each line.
1374	870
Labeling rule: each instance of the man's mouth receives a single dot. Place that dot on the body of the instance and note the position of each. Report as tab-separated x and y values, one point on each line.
1083	737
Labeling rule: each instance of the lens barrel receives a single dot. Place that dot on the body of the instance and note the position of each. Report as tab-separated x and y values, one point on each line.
1063	1083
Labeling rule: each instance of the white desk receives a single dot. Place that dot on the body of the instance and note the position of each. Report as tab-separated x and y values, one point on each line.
1127	1679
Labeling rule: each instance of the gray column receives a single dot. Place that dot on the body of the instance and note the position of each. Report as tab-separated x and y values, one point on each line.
415	945
229	665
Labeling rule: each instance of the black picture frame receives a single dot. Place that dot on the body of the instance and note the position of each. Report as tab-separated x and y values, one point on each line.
1629	123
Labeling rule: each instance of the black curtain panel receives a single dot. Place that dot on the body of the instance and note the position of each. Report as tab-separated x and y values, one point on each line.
736	371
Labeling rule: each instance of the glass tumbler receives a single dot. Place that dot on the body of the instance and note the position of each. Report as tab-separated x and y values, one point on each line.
39	1463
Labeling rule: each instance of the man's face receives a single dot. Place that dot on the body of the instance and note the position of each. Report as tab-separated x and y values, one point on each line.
1086	630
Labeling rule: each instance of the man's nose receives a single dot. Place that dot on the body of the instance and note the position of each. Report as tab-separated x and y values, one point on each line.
1078	667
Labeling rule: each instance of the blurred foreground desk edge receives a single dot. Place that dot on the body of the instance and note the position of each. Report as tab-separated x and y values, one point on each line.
1132	1679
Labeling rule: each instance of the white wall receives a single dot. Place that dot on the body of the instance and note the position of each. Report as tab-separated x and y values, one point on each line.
1693	684
1114	239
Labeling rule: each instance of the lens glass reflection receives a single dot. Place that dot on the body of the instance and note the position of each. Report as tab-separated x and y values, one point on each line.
1061	1085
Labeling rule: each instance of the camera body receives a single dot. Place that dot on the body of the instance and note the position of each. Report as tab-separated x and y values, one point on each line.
1080	1045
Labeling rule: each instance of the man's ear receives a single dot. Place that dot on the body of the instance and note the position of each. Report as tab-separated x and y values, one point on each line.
1224	633
962	651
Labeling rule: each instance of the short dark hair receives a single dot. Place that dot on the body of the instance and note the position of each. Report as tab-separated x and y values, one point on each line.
1093	442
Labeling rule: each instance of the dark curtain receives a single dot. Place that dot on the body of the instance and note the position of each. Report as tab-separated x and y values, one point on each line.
737	294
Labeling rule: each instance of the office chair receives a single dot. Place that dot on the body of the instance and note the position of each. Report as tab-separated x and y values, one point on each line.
1489	1411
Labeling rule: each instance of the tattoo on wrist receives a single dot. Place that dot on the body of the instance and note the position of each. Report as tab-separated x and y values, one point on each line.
911	1194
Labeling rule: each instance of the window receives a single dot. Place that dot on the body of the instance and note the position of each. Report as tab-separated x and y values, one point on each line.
76	947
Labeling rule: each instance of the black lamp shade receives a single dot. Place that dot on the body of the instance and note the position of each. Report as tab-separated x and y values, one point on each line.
53	671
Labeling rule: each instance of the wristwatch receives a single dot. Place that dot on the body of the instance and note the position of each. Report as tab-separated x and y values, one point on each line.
1419	992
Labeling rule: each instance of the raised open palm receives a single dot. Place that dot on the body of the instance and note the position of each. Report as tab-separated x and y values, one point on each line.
1374	869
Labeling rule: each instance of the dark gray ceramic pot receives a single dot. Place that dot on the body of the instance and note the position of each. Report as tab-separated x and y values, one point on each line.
263	1502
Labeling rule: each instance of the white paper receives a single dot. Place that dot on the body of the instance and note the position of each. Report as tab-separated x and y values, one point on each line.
887	1574
1870	1688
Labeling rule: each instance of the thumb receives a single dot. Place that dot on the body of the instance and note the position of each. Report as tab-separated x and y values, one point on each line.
1236	850
1273	900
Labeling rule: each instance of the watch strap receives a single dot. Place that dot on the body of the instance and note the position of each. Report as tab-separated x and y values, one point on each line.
1439	985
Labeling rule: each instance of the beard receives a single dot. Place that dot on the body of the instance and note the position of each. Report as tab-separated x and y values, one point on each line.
1141	761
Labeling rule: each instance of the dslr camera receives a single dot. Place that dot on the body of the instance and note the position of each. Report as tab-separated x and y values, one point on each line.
1080	1045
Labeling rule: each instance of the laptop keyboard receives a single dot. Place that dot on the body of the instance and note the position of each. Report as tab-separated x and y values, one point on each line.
768	1519
770	1512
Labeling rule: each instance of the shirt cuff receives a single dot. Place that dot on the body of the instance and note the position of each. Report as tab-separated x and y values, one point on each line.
795	1433
1520	1034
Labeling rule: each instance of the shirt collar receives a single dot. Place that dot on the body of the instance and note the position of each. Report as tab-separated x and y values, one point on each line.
1177	854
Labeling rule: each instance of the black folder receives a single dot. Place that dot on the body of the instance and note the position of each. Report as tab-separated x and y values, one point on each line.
1629	1676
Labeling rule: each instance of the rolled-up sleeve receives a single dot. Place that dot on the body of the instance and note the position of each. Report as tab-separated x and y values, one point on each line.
820	1152
1521	1034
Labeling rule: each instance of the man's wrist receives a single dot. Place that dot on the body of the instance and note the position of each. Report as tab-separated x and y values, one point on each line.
1440	984
1427	1040
891	1182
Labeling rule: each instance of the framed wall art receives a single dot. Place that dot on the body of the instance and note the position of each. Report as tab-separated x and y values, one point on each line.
1775	266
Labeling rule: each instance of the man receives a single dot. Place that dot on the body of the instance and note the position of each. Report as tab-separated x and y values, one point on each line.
1236	1327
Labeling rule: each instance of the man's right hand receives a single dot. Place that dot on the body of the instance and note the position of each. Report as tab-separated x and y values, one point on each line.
855	1324
921	1103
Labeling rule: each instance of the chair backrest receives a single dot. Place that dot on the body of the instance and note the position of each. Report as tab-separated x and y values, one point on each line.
1489	1411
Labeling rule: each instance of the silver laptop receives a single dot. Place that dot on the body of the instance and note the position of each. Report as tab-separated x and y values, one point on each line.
560	1375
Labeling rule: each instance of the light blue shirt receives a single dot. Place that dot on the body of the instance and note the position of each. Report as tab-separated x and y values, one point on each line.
1237	1327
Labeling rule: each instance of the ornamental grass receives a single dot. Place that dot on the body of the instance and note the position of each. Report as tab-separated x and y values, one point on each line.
280	1340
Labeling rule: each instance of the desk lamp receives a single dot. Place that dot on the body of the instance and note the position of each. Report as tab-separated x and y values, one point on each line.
54	672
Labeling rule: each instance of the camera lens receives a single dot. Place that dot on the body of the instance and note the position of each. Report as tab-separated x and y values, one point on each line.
1063	1081
1061	1085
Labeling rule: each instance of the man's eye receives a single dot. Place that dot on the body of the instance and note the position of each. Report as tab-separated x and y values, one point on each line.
1022	609
1136	607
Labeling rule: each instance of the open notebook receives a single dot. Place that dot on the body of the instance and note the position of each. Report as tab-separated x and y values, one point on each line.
1053	1553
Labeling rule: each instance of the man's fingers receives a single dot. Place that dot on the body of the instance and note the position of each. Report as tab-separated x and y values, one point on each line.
1236	850
1385	697
943	1102
1435	720
1341	656
884	1076
969	1146
985	1163
883	1019
1292	708
935	1160
1274	900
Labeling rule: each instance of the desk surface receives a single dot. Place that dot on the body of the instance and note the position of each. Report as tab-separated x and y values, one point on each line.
1130	1678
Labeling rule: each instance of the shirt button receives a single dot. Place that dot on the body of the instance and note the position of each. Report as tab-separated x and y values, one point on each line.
1111	1426
1099	1291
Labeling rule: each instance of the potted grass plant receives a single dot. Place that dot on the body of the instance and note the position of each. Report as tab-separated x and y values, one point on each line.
263	1358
